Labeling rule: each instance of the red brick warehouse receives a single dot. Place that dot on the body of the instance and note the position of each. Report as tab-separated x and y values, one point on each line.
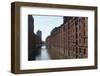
70	40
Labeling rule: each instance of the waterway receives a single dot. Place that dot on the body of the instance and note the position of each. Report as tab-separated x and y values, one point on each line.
44	55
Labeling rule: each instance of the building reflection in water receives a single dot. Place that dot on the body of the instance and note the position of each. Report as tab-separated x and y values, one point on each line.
44	55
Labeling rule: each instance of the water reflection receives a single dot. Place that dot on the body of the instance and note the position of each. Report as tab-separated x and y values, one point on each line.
35	51
44	55
39	53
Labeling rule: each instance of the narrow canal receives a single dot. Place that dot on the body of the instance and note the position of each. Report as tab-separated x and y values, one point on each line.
44	55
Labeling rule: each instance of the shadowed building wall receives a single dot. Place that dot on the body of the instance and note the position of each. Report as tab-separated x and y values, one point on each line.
33	40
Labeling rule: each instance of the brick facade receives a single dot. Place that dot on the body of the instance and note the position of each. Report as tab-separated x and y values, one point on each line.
70	40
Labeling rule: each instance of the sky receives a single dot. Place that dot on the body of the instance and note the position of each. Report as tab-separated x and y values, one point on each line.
46	24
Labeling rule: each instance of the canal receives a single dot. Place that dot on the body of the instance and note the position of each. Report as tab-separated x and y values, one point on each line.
44	55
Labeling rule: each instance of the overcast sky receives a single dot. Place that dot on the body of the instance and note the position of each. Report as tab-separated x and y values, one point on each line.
46	24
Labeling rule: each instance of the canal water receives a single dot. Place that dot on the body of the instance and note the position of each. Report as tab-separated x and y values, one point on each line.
44	55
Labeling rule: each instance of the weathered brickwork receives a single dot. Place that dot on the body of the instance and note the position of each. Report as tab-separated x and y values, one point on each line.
70	40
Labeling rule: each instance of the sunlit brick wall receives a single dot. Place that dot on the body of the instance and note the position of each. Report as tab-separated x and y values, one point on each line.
70	39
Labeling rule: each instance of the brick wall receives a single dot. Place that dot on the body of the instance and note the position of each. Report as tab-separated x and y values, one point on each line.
69	40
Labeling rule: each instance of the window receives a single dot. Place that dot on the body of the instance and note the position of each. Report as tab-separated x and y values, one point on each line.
79	26
76	36
64	28
84	40
76	20
76	52
76	29
84	32
84	51
76	42
79	50
79	40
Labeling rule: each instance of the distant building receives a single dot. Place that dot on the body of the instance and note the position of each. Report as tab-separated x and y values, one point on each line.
39	34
